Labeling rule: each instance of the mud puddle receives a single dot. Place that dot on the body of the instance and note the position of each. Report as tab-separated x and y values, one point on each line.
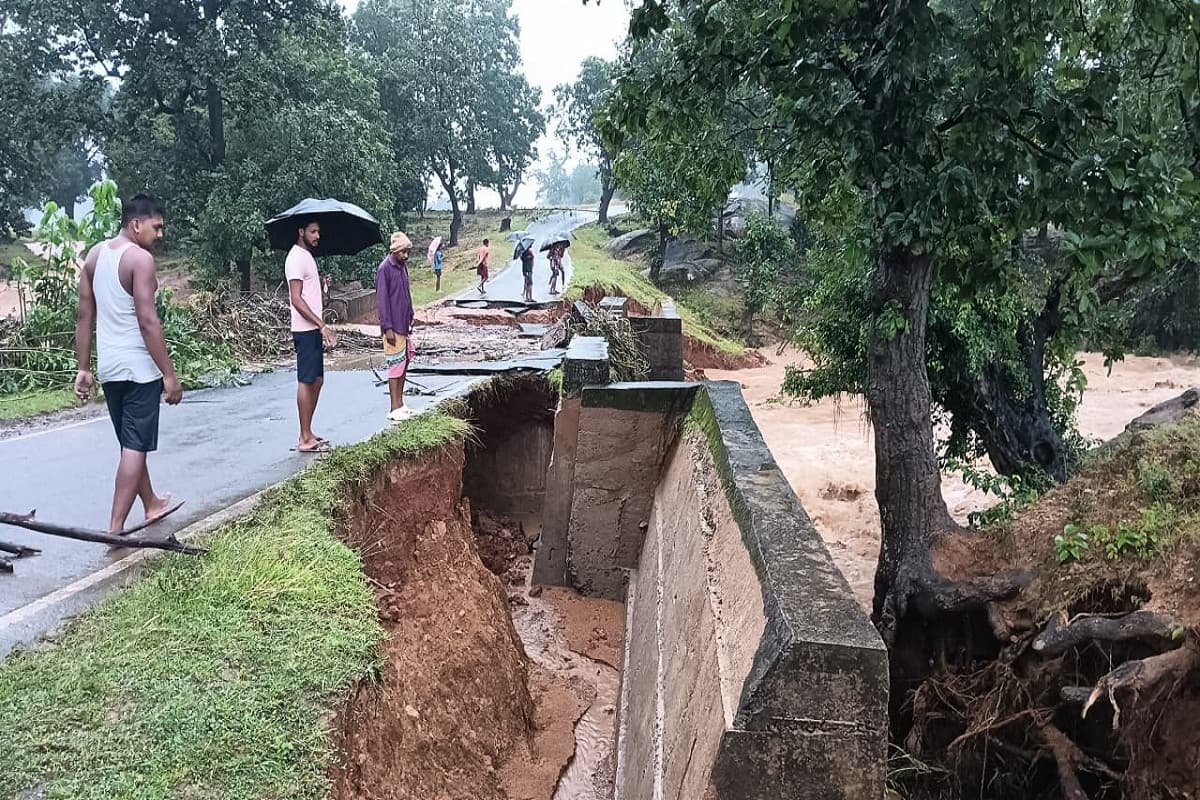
576	640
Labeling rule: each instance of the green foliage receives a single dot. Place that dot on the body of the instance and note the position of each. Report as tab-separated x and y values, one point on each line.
1155	480
768	266
457	106
1071	544
577	106
213	676
558	186
35	403
39	352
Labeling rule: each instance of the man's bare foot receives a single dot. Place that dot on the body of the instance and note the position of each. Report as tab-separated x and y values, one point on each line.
314	445
160	507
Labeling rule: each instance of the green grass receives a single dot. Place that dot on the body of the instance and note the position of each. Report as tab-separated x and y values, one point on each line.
595	267
212	677
32	404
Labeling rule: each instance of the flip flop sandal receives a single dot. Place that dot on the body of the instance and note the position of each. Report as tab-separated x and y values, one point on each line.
322	447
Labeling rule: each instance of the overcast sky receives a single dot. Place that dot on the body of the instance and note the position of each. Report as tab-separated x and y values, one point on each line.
556	36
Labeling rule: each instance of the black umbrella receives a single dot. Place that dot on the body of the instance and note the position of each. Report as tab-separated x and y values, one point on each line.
561	238
345	228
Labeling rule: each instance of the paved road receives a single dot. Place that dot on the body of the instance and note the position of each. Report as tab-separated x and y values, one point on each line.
224	445
507	284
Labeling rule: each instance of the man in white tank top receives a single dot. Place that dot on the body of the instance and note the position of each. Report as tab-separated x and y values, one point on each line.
116	295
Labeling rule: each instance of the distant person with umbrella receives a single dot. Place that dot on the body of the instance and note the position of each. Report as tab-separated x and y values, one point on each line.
524	252
309	229
557	249
394	298
435	257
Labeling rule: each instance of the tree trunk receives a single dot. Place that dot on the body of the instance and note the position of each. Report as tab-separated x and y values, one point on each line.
656	263
456	220
606	196
471	197
216	125
216	103
908	483
243	265
504	199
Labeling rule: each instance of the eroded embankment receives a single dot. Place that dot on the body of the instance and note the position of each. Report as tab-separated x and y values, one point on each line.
451	702
459	710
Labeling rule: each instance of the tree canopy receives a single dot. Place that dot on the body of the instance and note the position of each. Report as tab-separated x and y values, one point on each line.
233	110
577	107
450	84
957	129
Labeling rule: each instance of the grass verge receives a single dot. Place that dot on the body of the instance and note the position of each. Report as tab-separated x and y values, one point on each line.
212	677
595	267
32	404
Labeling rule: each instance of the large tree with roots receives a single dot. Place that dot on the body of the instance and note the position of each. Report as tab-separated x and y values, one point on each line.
960	127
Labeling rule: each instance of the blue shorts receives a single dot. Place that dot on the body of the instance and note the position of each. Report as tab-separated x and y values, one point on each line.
310	356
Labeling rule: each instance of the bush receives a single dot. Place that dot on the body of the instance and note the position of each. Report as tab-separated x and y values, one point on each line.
39	352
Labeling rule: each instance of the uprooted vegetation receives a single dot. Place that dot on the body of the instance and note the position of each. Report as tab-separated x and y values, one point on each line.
1086	683
598	274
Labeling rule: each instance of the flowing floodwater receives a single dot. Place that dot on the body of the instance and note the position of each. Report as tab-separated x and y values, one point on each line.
589	775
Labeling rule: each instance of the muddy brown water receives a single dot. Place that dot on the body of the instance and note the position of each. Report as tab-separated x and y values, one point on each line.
539	622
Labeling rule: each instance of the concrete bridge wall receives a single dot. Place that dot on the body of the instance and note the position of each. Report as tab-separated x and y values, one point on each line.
750	670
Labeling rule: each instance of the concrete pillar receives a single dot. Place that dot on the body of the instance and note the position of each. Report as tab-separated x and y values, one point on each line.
586	364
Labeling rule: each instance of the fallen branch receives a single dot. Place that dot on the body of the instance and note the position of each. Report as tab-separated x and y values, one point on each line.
28	522
1137	676
18	550
1062	634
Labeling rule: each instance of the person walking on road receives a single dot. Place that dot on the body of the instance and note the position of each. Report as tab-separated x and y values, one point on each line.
437	266
310	334
556	265
116	294
394	298
526	256
481	265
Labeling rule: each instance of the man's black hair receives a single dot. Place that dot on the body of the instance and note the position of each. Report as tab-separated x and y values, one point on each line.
141	206
485	241
304	222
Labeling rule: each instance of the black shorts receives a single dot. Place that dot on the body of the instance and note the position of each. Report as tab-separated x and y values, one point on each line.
310	355
133	408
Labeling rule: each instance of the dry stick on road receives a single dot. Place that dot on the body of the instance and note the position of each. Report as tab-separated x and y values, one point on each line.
171	544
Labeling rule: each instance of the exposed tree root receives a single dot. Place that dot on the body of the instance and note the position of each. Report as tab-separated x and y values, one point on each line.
1062	634
1138	676
950	596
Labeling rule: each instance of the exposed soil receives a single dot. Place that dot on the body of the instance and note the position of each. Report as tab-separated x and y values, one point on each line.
459	710
452	704
574	645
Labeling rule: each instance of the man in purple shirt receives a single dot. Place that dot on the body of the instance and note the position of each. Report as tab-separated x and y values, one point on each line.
394	299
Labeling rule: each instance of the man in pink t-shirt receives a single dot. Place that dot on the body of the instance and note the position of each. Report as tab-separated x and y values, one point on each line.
309	332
